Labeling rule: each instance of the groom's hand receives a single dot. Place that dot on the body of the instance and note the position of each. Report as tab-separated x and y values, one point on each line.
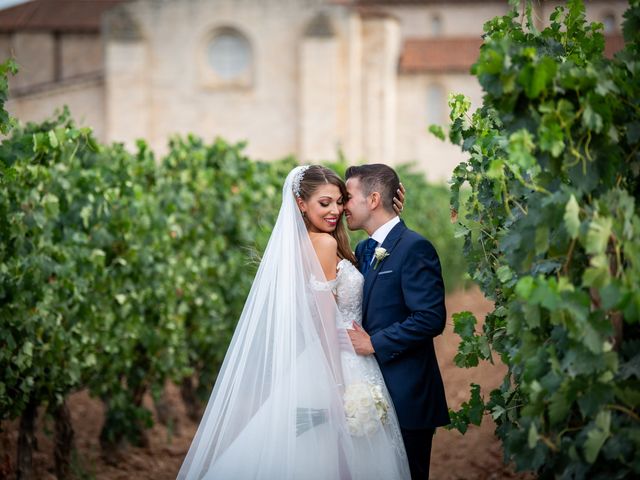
360	340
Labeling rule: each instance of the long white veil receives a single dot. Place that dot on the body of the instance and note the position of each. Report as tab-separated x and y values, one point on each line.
277	408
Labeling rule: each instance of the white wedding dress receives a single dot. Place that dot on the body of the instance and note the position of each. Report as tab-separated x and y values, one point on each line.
292	399
381	454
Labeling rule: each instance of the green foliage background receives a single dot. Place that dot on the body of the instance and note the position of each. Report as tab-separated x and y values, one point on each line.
552	235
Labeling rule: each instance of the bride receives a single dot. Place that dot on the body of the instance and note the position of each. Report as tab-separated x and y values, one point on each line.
292	399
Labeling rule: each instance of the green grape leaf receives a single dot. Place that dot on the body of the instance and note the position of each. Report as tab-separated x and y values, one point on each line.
559	407
533	436
597	435
542	239
591	119
520	147
571	217
524	287
464	324
598	234
53	139
437	131
535	77
496	169
551	138
504	273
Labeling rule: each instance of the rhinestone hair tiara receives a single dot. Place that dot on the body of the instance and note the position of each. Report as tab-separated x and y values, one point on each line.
298	178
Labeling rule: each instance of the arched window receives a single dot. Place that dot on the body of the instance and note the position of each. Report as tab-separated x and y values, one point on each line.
319	27
436	25
436	104
609	22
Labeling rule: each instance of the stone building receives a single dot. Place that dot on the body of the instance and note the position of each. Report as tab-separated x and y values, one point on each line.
302	77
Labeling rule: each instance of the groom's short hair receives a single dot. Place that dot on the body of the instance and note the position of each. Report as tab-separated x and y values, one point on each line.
376	177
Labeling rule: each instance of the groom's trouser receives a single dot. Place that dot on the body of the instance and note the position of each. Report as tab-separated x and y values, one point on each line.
417	443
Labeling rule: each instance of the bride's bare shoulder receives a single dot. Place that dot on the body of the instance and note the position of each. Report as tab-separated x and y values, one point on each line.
323	241
326	248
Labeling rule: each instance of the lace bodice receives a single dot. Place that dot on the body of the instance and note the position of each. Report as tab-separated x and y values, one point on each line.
348	291
347	287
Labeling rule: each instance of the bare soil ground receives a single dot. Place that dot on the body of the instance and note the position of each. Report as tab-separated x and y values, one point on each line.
477	455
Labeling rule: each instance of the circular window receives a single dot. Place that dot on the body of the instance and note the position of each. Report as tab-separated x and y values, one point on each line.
609	22
229	55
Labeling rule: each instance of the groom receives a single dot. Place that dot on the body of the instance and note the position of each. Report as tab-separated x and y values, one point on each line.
402	310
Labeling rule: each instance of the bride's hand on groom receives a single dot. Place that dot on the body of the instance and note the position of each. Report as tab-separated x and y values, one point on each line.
398	200
360	340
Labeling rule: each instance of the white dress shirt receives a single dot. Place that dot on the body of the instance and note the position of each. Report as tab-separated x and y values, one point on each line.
383	230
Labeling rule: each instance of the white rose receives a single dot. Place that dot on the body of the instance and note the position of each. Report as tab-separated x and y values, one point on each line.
354	427
365	408
376	392
370	427
380	253
363	415
350	407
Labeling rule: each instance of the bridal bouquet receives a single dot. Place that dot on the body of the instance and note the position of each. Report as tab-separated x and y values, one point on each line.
365	407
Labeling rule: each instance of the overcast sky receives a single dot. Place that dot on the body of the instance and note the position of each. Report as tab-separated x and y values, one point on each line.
8	3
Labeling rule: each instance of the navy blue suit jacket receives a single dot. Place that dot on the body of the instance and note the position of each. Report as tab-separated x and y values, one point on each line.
403	310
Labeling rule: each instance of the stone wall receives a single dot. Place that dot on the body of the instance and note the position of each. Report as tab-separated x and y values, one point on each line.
322	77
56	70
180	97
415	112
35	53
85	100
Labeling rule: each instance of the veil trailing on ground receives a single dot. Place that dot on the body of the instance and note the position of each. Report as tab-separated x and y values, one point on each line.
277	408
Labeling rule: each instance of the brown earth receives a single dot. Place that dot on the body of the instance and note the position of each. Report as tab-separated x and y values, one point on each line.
474	456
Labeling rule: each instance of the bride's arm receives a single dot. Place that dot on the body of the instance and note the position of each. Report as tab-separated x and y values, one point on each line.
326	248
398	200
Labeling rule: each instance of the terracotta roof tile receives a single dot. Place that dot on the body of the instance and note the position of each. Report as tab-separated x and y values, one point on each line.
373	12
440	55
415	2
58	15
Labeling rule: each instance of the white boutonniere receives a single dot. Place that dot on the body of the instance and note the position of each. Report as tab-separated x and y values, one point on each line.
380	254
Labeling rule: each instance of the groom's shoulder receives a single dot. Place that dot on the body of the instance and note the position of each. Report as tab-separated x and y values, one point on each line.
416	241
412	236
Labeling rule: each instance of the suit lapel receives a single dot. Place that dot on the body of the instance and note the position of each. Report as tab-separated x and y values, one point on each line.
358	251
389	244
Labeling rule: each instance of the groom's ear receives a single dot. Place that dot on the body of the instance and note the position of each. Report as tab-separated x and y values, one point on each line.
375	200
